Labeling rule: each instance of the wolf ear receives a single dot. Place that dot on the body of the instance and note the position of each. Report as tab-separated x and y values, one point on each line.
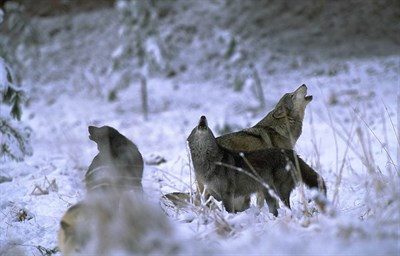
279	112
66	227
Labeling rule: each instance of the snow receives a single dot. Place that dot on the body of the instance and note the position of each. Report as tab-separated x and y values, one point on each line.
3	75
350	136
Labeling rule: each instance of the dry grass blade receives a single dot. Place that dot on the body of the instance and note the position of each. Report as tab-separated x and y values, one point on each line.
365	149
340	174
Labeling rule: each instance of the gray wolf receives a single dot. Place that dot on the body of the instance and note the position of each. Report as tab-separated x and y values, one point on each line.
105	223
117	166
281	128
215	166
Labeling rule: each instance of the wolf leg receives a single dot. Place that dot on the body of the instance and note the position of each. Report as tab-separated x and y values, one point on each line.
201	190
229	202
260	198
286	198
241	203
272	203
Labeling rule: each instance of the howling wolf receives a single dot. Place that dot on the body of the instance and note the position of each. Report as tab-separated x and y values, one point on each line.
216	167
281	128
117	166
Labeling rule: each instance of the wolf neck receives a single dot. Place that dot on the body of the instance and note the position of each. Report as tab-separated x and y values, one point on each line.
204	156
106	152
287	126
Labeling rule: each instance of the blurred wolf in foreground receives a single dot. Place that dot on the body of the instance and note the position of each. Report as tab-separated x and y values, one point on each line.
216	167
110	224
281	128
117	166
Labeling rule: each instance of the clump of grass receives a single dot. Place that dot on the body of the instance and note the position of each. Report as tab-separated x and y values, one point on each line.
377	183
45	188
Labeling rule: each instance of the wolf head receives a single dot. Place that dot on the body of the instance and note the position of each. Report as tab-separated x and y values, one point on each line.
293	104
107	138
71	235
102	134
203	145
201	134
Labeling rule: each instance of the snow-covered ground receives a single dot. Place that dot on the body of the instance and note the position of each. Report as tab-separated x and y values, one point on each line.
350	136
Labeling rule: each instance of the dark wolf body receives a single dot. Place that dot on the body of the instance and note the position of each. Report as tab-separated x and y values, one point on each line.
117	166
276	167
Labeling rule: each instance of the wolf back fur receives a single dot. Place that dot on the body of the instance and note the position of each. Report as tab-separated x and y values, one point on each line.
215	167
118	165
281	127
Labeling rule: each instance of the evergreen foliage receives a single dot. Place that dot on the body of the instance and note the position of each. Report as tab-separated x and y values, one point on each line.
14	134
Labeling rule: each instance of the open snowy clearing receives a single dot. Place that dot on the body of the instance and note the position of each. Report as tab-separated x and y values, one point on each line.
350	136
